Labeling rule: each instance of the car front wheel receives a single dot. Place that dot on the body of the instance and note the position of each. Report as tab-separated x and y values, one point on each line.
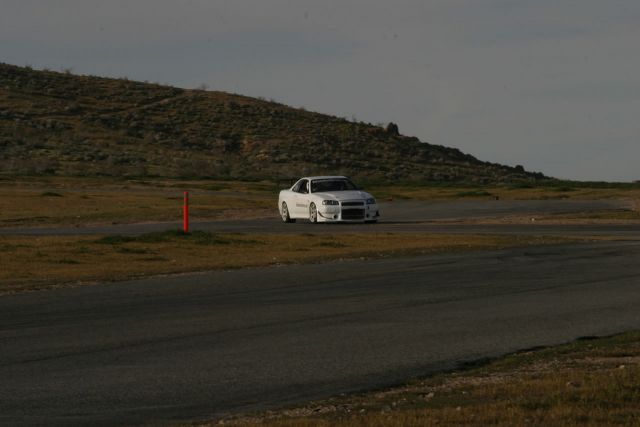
313	213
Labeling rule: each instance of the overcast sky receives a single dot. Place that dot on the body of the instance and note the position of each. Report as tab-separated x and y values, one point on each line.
553	85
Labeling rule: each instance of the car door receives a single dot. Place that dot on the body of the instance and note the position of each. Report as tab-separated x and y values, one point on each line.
301	197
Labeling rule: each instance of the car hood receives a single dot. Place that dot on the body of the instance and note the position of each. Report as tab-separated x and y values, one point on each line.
344	195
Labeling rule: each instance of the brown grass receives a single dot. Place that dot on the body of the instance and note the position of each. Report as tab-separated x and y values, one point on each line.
41	201
31	201
613	216
31	263
506	192
585	383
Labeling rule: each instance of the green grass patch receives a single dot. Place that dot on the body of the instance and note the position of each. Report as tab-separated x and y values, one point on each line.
197	237
564	189
474	193
67	261
215	187
520	186
115	240
7	247
135	251
331	245
155	258
51	194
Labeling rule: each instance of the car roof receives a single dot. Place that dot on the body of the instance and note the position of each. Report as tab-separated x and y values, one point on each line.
323	177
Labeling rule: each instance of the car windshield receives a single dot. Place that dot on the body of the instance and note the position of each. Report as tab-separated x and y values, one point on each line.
324	185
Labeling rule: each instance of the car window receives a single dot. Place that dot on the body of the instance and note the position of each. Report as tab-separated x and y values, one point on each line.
302	187
323	185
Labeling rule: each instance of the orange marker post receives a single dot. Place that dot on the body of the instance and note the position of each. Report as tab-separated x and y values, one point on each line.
185	211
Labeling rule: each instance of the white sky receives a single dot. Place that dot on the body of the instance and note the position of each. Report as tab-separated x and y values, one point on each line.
553	85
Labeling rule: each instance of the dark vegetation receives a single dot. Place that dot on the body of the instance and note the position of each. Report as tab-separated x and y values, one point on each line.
197	237
69	125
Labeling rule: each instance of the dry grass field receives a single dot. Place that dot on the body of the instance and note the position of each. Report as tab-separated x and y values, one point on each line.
513	192
32	263
41	262
45	201
591	382
83	201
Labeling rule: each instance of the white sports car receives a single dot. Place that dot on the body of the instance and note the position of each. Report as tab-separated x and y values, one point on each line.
327	199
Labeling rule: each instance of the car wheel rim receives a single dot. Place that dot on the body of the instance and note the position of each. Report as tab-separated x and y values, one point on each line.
313	213
285	212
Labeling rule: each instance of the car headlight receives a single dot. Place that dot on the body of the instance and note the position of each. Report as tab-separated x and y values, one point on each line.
330	202
371	201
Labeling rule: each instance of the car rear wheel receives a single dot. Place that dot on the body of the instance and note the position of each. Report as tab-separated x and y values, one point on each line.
284	212
313	213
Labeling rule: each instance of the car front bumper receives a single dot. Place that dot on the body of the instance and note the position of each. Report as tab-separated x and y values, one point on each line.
341	213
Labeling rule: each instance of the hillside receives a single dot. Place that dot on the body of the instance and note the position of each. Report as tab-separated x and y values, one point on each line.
64	124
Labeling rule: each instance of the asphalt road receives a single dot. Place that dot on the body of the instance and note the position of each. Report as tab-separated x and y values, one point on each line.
203	345
397	217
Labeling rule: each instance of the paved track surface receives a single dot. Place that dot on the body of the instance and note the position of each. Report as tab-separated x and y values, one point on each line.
196	346
398	217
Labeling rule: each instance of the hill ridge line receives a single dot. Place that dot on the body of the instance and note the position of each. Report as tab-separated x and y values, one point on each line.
55	123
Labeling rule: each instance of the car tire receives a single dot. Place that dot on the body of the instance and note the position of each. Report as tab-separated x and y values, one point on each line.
284	213
313	213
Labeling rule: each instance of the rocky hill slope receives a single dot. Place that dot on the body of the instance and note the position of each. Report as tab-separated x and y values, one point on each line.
64	124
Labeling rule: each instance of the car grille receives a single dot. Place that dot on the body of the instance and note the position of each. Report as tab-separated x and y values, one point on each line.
353	213
352	203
